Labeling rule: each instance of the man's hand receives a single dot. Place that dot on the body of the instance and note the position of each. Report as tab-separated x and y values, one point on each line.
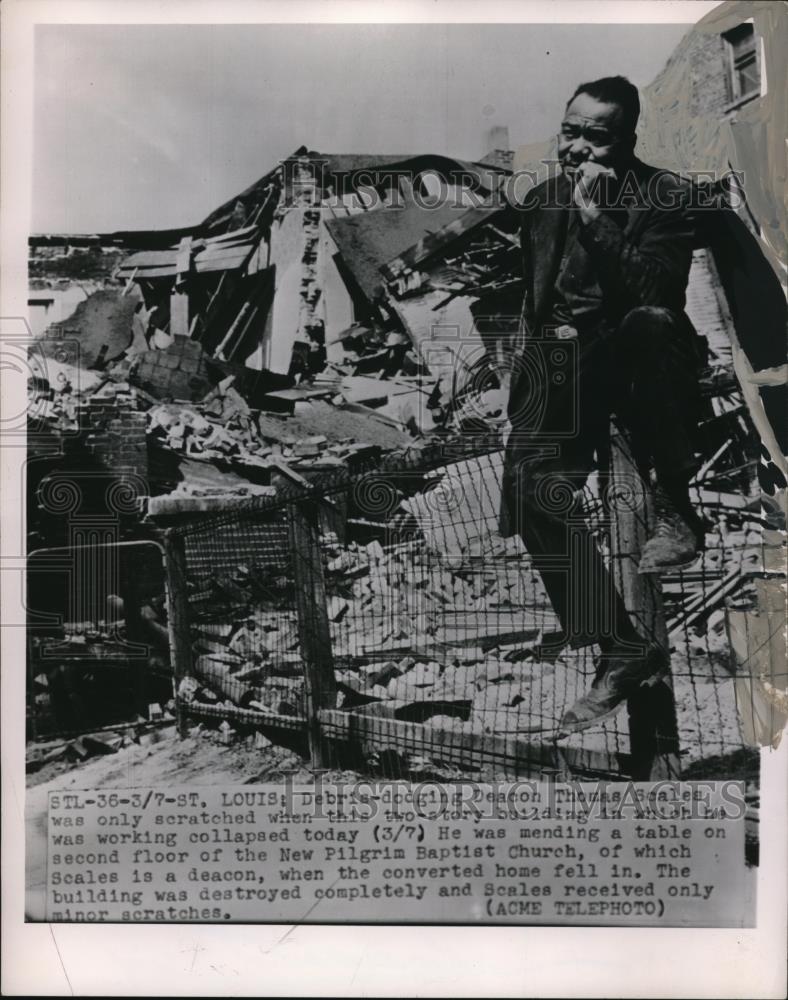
588	181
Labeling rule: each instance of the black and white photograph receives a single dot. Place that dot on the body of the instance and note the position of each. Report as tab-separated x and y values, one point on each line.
405	432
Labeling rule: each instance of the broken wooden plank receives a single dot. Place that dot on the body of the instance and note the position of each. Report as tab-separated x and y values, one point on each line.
447	648
183	259
249	716
172	506
178	615
179	298
526	758
709	464
163	263
653	729
705	602
433	242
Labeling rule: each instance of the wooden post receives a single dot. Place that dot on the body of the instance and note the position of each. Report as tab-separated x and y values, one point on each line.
314	631
178	616
179	299
653	732
139	653
179	313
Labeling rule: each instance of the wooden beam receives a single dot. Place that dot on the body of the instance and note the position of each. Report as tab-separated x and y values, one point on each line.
705	602
248	716
534	758
179	299
178	616
313	625
450	646
179	314
176	506
653	731
183	259
129	283
219	351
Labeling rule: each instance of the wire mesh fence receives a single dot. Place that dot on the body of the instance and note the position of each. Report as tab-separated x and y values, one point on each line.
243	661
384	616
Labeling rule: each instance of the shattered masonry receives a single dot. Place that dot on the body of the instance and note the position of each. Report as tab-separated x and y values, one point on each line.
318	322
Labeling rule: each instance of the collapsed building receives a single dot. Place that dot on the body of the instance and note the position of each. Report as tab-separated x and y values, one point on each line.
346	314
237	357
296	287
278	305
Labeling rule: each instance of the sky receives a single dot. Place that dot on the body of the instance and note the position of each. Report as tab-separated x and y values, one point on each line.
142	126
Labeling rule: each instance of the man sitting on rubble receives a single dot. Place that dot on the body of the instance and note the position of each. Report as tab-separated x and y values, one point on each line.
607	249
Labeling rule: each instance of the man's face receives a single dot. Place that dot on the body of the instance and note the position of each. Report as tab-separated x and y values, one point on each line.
592	131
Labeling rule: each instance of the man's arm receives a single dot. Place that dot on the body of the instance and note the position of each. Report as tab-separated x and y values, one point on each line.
652	270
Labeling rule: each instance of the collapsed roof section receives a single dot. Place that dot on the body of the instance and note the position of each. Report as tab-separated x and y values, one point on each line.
302	272
217	253
354	174
368	241
338	305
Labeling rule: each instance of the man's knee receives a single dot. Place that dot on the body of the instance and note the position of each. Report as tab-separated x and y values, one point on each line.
651	319
654	335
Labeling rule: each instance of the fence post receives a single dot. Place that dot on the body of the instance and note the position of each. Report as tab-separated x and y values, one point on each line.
653	732
315	635
178	616
129	594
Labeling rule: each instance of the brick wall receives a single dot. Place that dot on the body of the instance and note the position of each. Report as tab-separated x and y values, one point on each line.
708	62
178	373
114	433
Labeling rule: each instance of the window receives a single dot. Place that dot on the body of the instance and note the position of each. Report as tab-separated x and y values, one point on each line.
743	69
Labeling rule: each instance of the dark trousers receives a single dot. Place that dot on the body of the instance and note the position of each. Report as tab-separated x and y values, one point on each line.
646	372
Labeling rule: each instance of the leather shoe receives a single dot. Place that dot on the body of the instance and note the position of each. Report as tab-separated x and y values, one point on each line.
677	540
618	677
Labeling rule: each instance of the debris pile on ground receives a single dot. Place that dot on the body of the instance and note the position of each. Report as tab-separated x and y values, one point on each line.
54	755
419	638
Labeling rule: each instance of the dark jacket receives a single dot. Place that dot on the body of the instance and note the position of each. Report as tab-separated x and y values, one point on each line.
642	251
643	258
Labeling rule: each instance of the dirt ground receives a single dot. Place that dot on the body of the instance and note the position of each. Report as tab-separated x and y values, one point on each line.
168	761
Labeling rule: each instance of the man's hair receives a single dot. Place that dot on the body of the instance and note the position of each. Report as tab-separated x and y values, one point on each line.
614	90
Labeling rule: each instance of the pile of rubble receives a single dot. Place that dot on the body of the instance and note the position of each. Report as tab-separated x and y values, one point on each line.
315	324
109	740
406	632
271	334
252	664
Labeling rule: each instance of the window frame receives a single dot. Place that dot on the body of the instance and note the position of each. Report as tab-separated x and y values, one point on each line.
734	65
